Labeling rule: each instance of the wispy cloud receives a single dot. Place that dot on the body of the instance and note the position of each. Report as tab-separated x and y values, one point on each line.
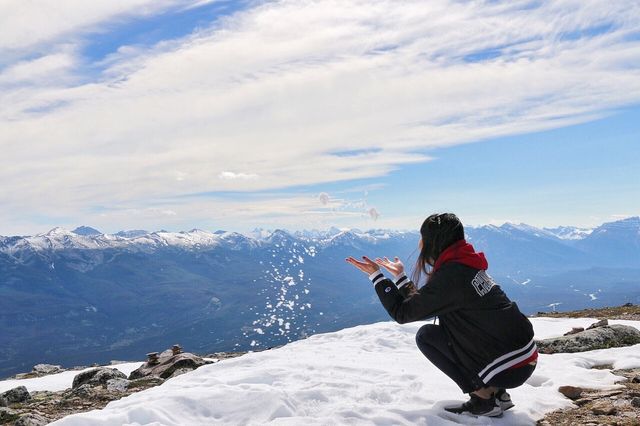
32	26
273	96
233	175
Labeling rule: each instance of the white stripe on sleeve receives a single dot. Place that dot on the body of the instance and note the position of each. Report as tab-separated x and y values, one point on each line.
376	277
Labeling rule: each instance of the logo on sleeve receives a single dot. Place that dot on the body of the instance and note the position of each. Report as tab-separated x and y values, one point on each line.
482	283
387	289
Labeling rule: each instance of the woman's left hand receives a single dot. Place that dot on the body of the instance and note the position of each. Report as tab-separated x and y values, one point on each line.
396	267
368	266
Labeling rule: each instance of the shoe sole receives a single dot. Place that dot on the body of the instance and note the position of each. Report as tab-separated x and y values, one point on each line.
496	412
506	405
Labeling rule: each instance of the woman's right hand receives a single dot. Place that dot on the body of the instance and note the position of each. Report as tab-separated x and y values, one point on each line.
396	267
368	266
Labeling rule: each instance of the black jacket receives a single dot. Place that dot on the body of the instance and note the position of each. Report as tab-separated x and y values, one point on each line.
487	331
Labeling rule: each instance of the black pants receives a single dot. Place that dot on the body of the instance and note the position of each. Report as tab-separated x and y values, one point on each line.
433	343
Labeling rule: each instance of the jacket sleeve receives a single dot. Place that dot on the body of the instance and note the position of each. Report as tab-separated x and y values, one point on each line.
408	290
437	297
405	285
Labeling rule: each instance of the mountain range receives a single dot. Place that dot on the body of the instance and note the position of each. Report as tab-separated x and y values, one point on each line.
67	297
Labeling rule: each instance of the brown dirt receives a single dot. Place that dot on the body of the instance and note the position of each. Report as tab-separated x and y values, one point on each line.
602	407
625	312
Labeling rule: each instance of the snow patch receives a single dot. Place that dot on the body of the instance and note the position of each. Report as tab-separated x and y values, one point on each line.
364	375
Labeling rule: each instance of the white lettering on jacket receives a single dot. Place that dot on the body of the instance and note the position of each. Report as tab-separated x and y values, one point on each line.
483	283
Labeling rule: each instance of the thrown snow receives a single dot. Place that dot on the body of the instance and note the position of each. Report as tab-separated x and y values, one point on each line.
285	298
60	381
365	375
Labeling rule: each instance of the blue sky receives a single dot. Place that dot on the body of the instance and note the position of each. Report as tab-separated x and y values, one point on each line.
243	114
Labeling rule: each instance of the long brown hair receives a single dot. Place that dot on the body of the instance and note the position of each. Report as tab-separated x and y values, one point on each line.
438	232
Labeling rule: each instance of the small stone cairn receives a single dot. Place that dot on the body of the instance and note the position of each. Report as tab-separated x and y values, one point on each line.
169	363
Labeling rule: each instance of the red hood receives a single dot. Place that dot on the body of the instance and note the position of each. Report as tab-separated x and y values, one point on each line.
461	252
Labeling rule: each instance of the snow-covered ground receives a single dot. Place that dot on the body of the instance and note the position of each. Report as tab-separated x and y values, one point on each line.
365	375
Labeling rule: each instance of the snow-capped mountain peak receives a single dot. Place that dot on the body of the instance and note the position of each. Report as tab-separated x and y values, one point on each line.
570	232
57	231
86	230
630	224
527	229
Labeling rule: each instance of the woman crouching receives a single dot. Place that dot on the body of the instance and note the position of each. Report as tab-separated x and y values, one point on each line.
483	342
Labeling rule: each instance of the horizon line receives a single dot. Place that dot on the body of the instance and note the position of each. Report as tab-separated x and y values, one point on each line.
288	231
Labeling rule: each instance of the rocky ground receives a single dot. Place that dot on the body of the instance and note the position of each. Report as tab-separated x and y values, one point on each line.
625	312
44	407
620	407
93	389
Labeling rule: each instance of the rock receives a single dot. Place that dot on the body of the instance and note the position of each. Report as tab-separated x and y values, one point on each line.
176	349
635	402
574	330
180	371
21	376
582	401
3	401
628	305
84	391
608	336
224	355
19	394
600	323
603	408
32	419
97	376
609	394
636	379
167	364
83	377
571	392
118	385
152	358
145	382
7	415
45	369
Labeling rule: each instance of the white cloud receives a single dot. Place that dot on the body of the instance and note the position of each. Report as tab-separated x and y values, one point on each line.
233	176
286	88
38	70
27	24
288	210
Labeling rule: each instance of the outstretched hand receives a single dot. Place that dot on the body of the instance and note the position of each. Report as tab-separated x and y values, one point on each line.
368	266
396	267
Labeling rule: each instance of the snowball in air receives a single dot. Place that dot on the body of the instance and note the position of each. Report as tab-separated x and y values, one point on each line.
324	198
